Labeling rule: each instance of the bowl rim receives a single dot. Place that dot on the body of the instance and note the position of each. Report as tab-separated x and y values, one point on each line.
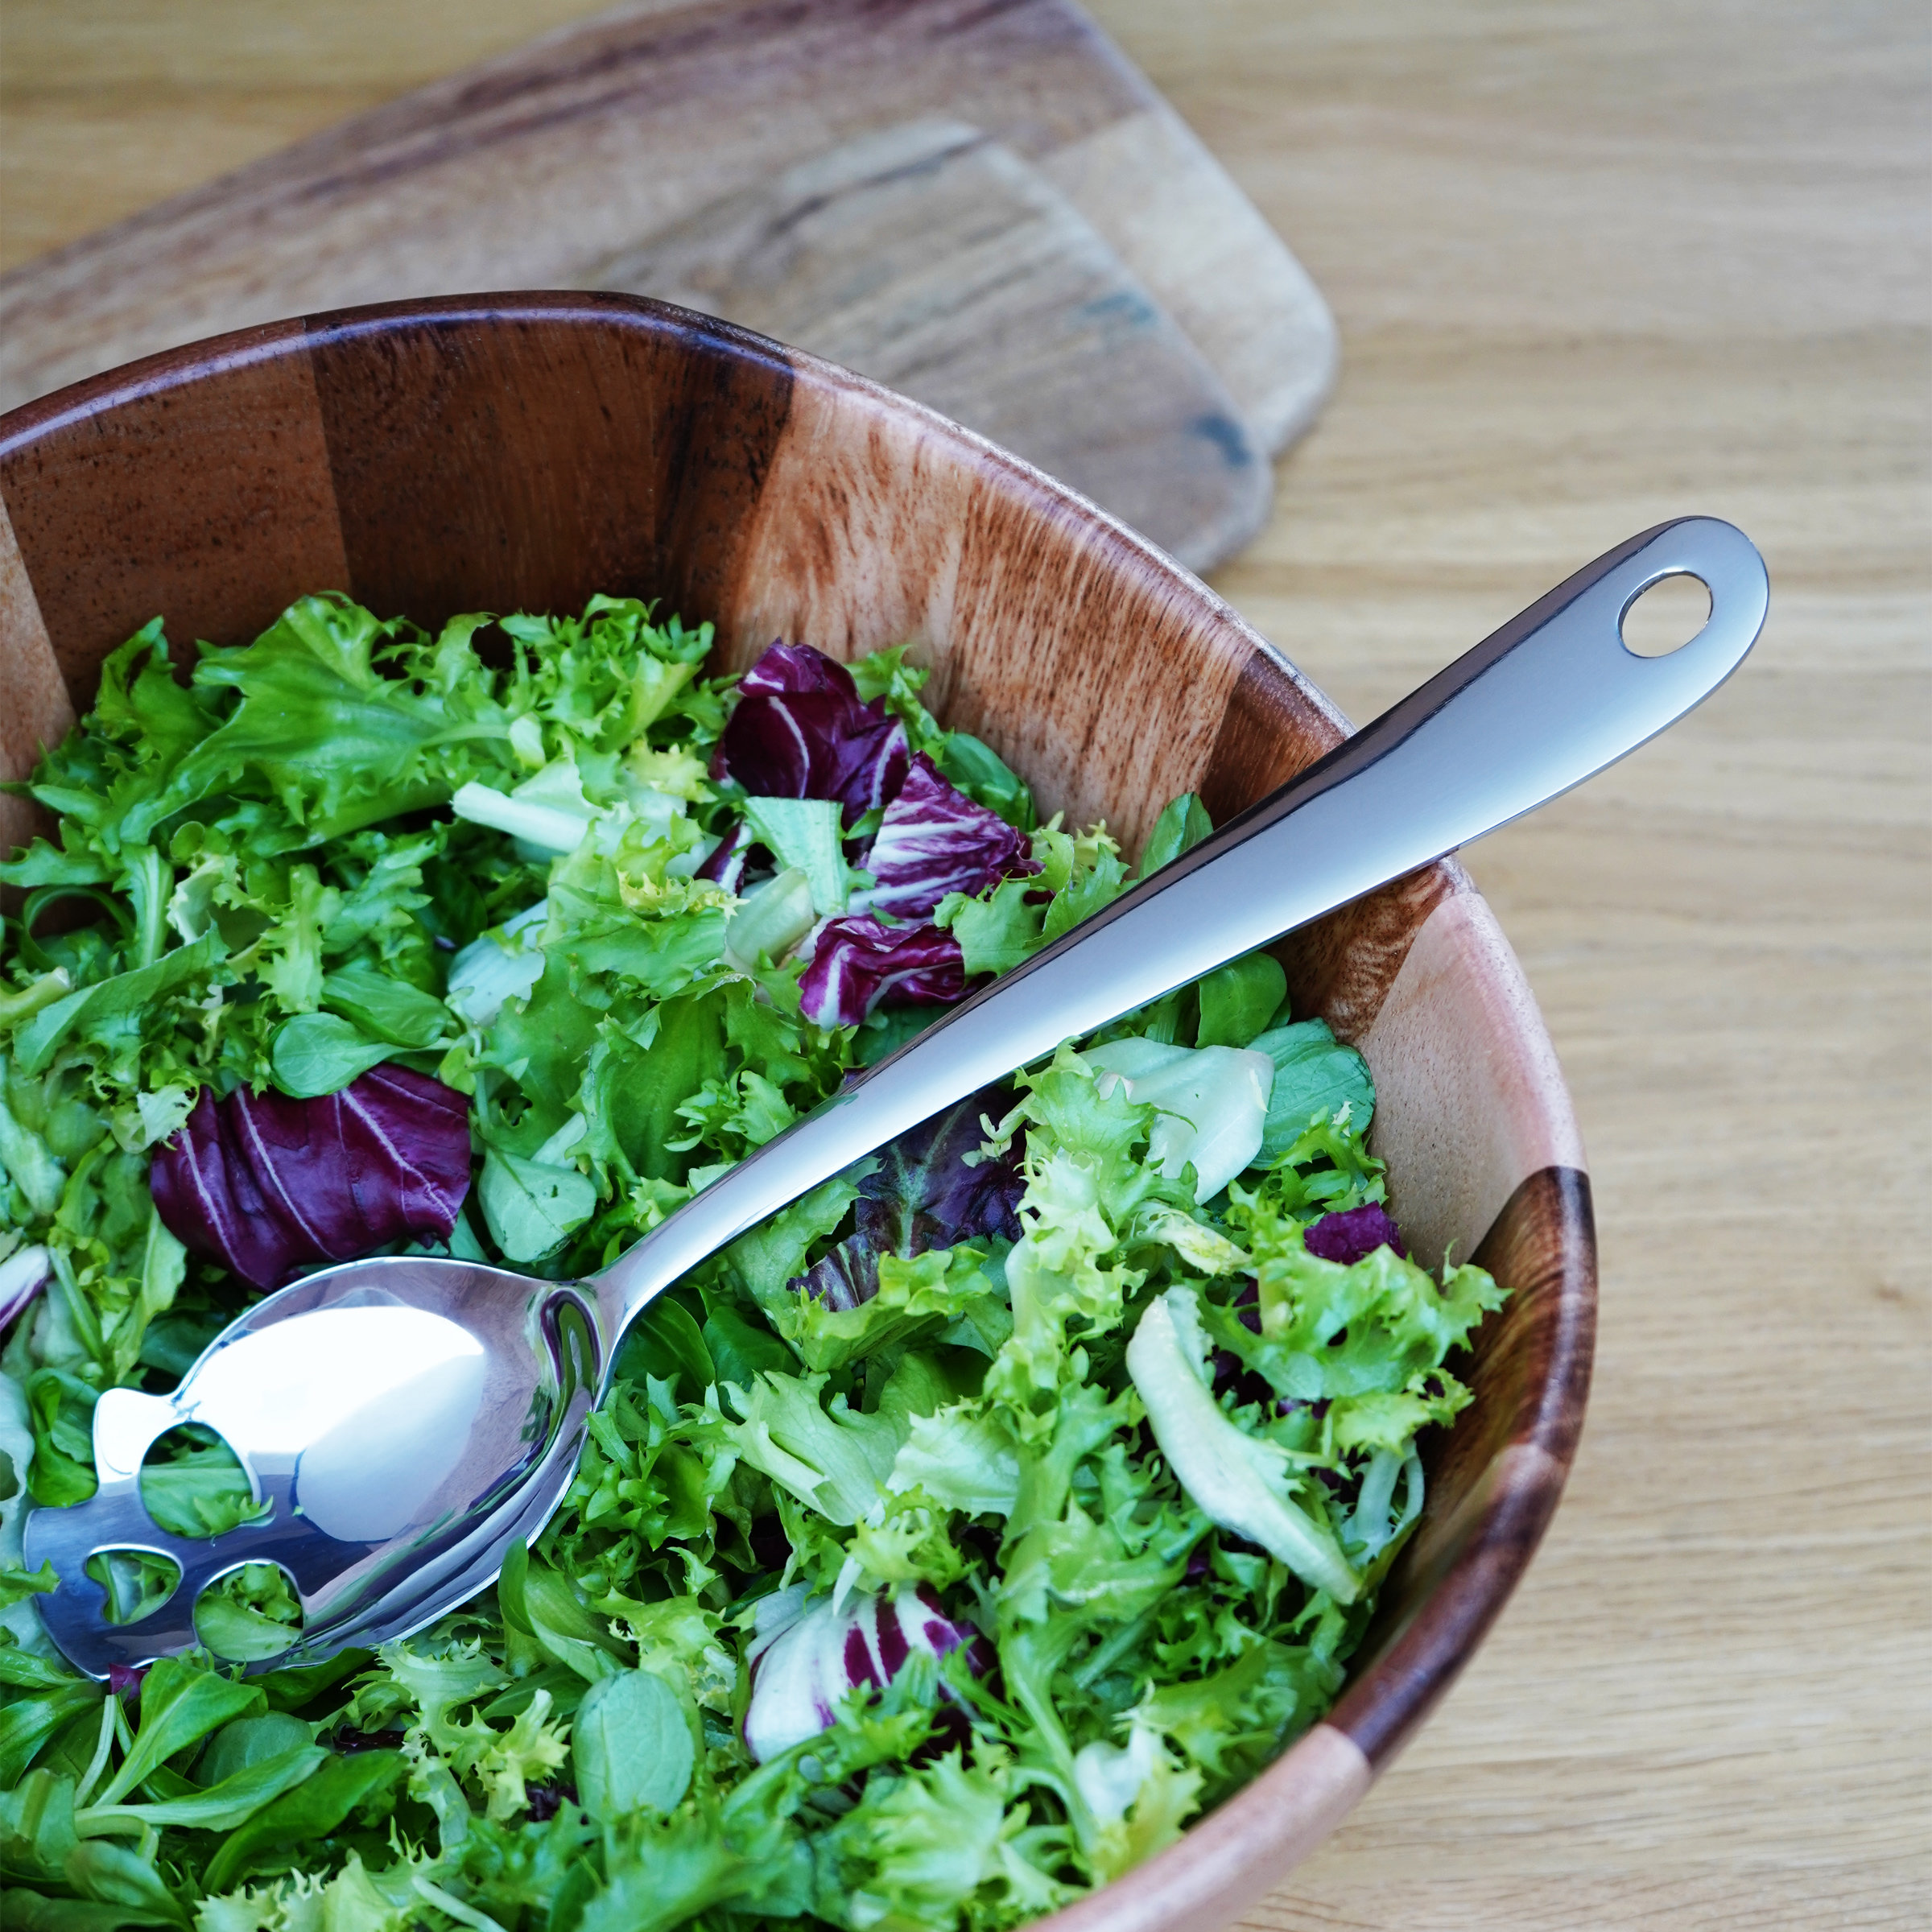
1232	1854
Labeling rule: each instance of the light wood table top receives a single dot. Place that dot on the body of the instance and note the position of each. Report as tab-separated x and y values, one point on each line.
1594	267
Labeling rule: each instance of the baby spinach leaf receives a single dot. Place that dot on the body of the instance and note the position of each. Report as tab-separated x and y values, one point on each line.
1183	824
631	1097
888	1028
1239	999
250	1616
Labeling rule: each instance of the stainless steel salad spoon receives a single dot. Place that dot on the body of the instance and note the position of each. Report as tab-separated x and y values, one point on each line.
404	1419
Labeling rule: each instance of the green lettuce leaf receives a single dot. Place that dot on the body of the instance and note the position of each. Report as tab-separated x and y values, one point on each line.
632	1747
181	1702
226	1805
343	1786
1315	1077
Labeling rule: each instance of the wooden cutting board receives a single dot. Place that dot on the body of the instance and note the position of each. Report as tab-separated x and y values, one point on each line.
939	262
1054	258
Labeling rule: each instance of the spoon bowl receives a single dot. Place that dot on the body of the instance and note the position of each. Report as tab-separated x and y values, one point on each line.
399	1421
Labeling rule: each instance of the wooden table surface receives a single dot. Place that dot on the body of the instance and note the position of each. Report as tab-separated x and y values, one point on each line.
1594	266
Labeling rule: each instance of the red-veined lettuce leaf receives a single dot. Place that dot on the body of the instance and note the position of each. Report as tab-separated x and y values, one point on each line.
920	1195
806	1657
725	867
800	731
859	960
23	1275
262	1183
934	839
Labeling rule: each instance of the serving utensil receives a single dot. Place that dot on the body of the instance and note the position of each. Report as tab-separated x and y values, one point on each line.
406	1418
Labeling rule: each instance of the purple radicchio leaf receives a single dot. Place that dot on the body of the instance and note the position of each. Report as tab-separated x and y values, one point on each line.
262	1183
725	867
921	1194
934	839
125	1680
1225	1364
1348	1237
22	1276
806	1657
800	731
858	961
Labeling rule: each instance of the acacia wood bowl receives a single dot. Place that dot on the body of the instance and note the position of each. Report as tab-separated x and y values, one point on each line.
521	451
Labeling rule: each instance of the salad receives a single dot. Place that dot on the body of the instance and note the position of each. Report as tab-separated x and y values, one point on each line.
941	1548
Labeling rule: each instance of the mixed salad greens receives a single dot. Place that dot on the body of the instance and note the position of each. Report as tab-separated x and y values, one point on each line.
941	1549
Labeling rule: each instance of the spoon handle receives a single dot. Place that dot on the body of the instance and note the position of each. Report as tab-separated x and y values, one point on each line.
1550	698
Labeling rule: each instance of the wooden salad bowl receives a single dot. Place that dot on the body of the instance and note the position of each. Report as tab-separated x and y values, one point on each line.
521	452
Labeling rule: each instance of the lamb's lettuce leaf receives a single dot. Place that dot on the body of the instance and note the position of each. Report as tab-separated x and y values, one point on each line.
632	1747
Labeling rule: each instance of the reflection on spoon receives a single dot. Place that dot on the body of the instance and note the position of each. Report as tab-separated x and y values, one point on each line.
367	1407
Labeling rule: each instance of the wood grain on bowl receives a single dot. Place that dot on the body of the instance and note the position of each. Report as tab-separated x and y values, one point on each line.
941	263
34	707
524	451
